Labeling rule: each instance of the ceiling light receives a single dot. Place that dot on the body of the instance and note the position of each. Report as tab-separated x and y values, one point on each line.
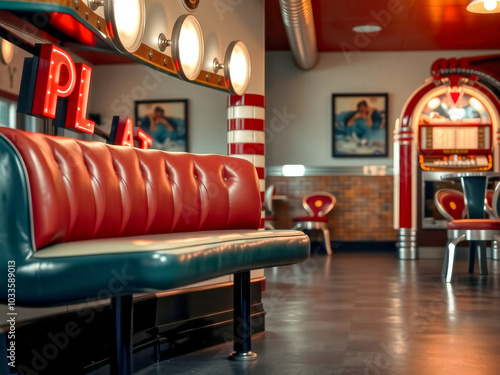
237	68
126	20
187	47
483	6
6	52
366	29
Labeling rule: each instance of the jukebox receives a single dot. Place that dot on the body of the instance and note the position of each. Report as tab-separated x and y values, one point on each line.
451	123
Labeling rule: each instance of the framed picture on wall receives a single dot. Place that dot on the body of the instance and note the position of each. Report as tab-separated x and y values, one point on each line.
166	121
359	125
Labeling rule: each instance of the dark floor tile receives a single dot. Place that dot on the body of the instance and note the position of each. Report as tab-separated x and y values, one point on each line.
367	314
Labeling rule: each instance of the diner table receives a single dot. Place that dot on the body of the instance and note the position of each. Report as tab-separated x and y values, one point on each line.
474	185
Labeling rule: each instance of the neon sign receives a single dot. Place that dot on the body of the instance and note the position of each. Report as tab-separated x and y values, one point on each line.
54	87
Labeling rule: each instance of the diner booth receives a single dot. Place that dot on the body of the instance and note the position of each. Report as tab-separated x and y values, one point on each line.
173	243
449	126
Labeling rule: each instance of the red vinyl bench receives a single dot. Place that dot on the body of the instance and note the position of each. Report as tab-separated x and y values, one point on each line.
74	213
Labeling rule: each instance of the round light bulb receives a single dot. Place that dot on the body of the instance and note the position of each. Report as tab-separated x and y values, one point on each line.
490	5
237	67
188	47
126	19
7	52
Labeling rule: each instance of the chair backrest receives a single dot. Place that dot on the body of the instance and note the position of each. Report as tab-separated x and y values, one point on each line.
268	200
488	203
495	201
450	203
319	203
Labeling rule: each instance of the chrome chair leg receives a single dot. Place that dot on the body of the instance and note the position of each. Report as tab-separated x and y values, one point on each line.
451	247
495	250
472	255
482	258
269	226
328	245
444	269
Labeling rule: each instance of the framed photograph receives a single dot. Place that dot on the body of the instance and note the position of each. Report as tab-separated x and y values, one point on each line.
166	121
359	125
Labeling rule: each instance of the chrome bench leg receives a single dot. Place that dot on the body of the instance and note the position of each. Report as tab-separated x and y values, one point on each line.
121	354
242	329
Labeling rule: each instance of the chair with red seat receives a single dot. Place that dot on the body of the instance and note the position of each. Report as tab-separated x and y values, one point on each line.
318	205
477	231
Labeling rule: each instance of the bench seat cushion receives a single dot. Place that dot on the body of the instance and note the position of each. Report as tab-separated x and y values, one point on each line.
72	272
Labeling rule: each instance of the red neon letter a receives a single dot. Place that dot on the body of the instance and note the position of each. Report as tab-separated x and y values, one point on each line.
144	139
124	131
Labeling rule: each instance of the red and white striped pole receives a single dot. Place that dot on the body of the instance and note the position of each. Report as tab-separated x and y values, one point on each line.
246	135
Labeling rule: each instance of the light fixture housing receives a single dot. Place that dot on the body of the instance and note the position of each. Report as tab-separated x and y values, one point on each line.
237	67
188	47
95	4
484	6
6	51
126	21
191	5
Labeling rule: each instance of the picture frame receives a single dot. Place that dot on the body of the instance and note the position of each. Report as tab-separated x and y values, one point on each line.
359	125
166	121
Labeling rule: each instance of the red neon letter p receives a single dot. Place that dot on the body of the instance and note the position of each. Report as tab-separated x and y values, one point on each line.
56	78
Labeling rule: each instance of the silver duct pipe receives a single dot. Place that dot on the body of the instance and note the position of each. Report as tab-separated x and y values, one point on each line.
299	24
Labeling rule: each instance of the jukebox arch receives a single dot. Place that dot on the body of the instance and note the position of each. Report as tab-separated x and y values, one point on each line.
465	138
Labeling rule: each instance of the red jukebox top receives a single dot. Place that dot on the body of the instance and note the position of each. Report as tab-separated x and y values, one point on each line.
454	133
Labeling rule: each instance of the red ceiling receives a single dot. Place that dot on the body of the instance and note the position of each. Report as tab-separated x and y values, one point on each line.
413	25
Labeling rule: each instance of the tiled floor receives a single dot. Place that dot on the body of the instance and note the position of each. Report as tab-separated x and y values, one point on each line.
367	314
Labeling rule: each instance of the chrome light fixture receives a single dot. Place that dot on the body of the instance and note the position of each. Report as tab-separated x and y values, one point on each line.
237	68
126	21
94	4
6	52
484	6
188	46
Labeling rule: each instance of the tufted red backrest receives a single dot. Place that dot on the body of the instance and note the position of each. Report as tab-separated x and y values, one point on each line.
85	190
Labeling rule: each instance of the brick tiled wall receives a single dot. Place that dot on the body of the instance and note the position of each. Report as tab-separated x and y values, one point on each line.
363	211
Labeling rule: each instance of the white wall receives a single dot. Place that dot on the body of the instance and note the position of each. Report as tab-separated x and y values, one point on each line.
304	135
115	88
